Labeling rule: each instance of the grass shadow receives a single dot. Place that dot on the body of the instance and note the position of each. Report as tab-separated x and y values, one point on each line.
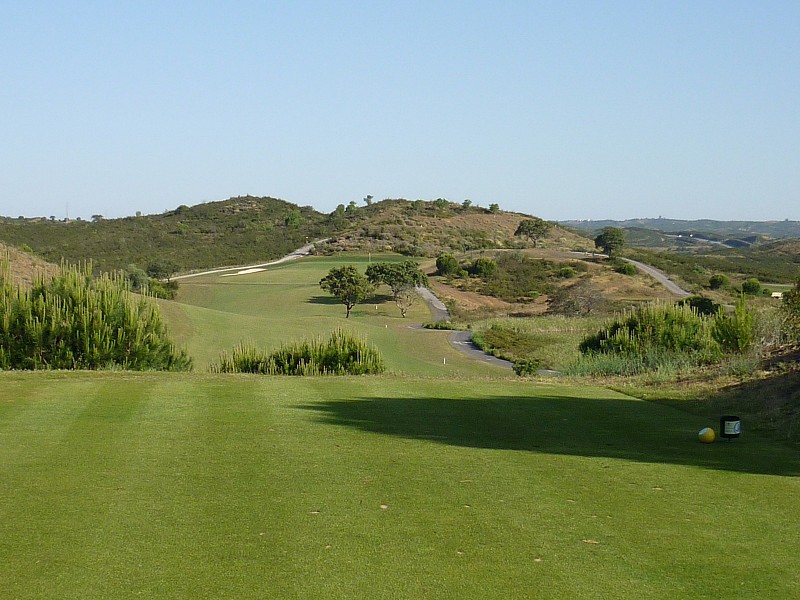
769	406
376	299
608	427
327	300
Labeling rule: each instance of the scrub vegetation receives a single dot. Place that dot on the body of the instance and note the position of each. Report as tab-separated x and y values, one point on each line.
427	474
77	321
341	354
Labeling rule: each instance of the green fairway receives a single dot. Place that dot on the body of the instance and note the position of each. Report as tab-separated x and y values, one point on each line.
447	478
200	486
285	303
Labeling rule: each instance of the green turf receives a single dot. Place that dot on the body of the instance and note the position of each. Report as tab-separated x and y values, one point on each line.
451	480
201	486
285	303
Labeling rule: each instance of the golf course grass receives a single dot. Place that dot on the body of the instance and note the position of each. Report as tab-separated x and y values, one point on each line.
437	480
285	303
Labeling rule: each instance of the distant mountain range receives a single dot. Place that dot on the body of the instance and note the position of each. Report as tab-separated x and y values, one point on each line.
717	230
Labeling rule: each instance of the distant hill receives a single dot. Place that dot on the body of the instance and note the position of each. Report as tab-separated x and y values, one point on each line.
229	232
731	233
249	229
420	228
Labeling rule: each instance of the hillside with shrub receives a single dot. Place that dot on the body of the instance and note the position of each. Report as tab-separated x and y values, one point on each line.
229	232
250	229
427	229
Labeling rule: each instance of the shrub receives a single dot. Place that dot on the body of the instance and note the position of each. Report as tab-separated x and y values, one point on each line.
653	336
717	281
446	264
526	367
75	321
701	304
483	267
566	272
342	354
790	307
518	277
734	333
444	326
751	287
625	268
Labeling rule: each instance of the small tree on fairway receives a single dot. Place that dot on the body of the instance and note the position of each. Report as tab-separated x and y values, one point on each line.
533	229
402	278
611	240
348	285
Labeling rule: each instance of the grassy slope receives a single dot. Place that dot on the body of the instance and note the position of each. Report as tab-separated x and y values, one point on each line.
229	232
115	485
285	303
179	485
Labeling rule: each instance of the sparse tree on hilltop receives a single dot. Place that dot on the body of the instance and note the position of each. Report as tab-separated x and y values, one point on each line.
533	228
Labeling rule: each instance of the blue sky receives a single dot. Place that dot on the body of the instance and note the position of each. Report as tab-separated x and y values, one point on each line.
560	109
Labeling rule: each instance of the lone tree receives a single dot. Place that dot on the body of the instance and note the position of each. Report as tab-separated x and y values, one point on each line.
162	268
402	278
611	240
348	285
533	229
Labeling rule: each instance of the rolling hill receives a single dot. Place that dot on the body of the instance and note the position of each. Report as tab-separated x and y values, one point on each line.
250	229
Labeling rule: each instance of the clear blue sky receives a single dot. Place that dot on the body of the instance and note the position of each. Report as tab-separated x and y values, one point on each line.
561	109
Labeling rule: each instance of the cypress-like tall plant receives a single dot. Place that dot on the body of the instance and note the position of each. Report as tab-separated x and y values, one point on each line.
76	321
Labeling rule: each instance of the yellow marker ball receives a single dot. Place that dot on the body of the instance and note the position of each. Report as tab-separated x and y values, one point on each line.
706	435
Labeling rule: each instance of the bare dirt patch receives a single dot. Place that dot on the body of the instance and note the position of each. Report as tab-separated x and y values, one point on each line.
25	267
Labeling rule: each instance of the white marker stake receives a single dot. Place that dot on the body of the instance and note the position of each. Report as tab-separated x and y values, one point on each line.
444	360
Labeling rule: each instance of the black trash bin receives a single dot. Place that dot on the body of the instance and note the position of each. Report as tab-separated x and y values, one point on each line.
730	427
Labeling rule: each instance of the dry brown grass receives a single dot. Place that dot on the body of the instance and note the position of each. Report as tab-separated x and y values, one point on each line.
613	290
24	266
399	227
